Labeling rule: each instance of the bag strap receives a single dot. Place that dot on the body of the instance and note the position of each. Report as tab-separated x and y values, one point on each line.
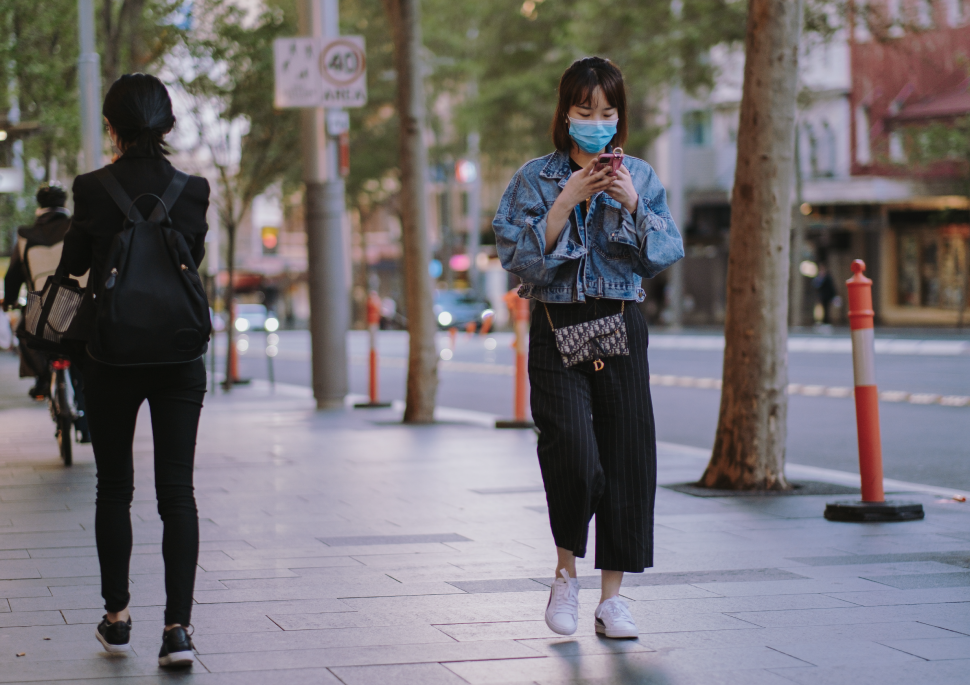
125	204
171	194
117	193
622	309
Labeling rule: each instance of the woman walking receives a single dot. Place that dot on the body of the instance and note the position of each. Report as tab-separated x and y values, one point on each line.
138	112
581	228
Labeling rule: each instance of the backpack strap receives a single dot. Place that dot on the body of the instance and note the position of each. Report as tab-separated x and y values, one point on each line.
169	197
117	193
125	204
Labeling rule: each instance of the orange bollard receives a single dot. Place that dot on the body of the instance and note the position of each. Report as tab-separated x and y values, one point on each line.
452	334
520	315
486	324
873	506
470	328
373	323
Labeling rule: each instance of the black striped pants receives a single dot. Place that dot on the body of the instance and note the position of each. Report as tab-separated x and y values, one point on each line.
597	444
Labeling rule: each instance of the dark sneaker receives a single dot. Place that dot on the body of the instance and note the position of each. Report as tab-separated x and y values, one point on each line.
115	636
176	648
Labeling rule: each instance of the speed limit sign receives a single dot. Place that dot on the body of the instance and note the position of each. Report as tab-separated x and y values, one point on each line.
343	66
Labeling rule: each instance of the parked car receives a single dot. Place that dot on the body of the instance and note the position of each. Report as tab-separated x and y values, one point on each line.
255	317
458	308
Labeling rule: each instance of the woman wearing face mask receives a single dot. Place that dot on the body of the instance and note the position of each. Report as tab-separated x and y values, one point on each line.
581	237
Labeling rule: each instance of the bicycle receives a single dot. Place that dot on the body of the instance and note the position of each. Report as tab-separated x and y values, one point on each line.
60	402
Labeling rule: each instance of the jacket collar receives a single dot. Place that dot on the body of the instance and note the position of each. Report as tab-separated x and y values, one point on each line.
139	152
557	167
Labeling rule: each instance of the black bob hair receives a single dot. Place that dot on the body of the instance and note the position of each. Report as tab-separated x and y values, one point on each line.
139	109
51	195
576	88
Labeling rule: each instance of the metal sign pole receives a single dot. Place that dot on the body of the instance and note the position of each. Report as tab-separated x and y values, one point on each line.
89	81
329	287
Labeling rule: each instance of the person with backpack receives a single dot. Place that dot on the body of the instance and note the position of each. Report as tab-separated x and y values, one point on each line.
140	226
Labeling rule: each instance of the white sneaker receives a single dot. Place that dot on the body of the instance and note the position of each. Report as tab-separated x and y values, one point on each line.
562	612
613	619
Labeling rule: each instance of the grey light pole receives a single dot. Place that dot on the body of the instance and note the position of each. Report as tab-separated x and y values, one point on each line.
89	82
474	215
326	249
675	201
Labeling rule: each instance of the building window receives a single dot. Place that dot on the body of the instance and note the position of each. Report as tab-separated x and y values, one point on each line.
924	13
863	153
897	153
697	128
821	150
932	266
956	13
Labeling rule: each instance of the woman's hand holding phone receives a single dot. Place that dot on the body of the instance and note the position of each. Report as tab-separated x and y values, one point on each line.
622	190
585	183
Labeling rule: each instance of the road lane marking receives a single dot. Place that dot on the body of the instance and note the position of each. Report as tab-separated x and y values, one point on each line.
805	390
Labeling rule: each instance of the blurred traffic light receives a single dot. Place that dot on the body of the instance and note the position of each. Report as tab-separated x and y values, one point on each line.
271	239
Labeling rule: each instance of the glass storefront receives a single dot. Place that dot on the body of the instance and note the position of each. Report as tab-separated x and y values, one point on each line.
933	266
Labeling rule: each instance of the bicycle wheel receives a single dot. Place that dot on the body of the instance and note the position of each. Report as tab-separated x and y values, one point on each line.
64	418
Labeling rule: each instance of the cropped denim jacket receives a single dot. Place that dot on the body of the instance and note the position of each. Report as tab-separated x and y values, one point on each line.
606	255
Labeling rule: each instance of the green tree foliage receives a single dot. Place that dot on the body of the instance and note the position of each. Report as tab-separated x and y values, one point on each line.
38	71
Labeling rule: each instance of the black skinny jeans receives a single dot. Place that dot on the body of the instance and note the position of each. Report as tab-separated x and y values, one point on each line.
597	444
174	394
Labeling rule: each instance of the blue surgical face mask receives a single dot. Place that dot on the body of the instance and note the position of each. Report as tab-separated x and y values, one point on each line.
591	136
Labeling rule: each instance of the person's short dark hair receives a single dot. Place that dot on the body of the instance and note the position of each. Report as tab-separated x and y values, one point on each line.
51	195
576	88
139	109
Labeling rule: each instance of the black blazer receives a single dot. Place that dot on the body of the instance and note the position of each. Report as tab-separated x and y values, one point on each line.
97	219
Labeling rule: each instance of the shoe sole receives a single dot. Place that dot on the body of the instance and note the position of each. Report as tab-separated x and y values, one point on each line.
108	647
601	630
558	631
176	659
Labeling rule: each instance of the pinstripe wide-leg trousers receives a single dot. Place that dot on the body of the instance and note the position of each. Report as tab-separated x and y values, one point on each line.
597	443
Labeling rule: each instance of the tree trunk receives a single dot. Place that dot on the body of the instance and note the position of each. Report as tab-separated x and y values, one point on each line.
749	448
405	17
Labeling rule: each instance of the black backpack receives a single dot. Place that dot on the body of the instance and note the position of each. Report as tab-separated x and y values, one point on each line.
151	305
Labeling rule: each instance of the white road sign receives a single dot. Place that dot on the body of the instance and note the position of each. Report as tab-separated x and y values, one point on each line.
312	72
298	82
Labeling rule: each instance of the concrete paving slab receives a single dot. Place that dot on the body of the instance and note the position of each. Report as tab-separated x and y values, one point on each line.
934	649
896	674
402	674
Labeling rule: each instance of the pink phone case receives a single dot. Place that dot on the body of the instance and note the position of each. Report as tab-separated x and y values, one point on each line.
612	159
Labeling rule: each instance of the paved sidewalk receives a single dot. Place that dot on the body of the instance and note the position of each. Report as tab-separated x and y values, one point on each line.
344	547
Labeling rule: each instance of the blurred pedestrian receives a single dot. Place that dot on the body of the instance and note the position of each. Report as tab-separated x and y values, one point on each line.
581	233
34	258
825	289
138	113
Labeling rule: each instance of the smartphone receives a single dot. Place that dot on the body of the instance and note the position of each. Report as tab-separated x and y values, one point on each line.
613	160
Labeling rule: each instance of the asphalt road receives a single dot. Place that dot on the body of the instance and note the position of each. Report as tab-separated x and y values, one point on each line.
927	444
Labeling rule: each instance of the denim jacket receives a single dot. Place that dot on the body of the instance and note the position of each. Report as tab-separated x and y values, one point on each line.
606	255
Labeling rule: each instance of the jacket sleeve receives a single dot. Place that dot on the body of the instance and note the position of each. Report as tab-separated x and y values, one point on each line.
651	233
520	235
198	249
76	256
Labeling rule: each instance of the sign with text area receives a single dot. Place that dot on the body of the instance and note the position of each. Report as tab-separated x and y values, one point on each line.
320	72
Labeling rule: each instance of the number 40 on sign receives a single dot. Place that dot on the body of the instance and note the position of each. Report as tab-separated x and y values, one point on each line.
315	72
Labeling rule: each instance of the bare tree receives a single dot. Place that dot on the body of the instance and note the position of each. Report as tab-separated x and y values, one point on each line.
405	19
749	448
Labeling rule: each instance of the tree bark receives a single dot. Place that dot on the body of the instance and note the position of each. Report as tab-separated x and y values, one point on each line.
422	385
749	448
